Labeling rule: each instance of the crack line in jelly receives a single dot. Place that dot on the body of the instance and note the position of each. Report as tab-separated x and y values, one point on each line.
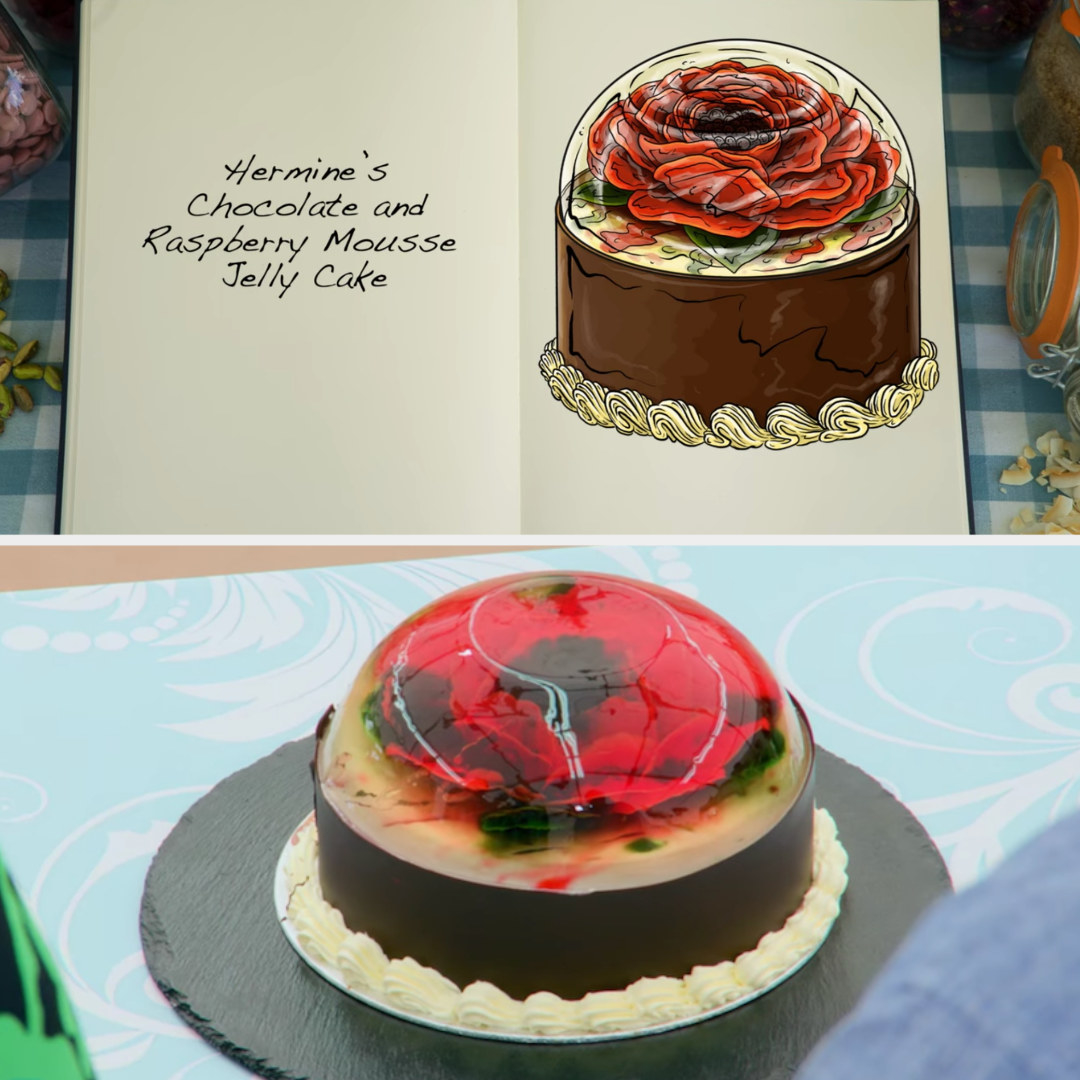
559	706
721	716
557	716
399	701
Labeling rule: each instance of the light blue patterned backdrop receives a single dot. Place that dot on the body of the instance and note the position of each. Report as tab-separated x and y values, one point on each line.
951	674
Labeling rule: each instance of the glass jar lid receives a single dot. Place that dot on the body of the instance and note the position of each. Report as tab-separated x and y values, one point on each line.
1044	261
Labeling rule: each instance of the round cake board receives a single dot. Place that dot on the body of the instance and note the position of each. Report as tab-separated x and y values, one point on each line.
212	943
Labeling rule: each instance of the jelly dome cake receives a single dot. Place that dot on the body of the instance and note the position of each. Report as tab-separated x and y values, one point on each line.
738	254
553	786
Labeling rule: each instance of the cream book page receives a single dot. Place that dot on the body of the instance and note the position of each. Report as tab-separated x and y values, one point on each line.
295	305
745	275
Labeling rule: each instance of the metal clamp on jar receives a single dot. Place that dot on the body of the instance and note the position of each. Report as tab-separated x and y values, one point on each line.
1043	278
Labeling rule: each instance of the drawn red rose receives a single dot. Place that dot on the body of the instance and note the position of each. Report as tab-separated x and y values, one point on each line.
573	690
728	148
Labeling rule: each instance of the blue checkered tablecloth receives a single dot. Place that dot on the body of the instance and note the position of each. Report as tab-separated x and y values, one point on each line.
988	175
34	253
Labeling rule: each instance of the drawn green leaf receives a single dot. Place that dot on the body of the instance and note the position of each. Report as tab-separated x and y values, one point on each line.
602	193
731	252
879	205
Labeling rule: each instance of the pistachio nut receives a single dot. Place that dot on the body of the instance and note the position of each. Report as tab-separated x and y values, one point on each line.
25	353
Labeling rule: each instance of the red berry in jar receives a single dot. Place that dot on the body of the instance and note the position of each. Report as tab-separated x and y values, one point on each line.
33	119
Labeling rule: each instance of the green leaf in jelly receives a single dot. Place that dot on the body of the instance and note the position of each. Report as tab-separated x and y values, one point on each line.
518	828
602	193
765	749
879	205
731	252
538	593
369	709
644	844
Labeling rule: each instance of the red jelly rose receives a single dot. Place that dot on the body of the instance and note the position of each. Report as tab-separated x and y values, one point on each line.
580	692
729	148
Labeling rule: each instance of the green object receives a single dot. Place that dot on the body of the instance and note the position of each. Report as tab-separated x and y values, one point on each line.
369	715
602	193
524	827
879	205
8	344
644	844
729	252
766	748
39	1036
538	593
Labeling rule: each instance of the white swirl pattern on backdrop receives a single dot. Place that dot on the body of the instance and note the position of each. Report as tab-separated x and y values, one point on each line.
951	676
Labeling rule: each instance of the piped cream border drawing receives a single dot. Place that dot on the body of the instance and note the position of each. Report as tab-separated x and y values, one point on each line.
738	254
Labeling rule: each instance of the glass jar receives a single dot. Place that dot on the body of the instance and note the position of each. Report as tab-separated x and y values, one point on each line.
1043	279
34	121
50	22
1047	110
988	28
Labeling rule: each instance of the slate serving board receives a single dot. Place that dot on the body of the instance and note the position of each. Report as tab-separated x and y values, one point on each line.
212	944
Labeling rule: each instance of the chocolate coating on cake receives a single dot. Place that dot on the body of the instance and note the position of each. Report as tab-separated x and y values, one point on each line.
524	940
758	341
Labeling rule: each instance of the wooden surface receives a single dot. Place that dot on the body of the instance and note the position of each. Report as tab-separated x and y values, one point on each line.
53	565
212	943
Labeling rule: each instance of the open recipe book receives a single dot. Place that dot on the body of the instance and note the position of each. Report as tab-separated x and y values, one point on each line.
500	267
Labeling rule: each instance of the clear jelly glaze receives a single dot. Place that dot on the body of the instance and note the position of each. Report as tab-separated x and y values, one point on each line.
565	731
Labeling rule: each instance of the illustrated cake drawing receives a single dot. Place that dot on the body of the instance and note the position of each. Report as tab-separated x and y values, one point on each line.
738	254
562	806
